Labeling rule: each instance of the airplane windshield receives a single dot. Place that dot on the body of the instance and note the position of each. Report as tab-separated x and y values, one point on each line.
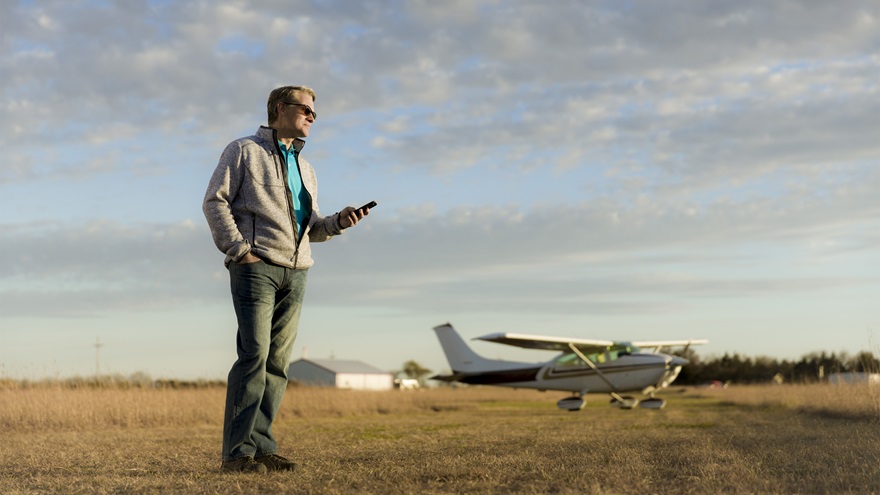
622	349
612	353
572	360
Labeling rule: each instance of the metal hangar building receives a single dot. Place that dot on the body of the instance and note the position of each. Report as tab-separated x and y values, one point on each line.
339	373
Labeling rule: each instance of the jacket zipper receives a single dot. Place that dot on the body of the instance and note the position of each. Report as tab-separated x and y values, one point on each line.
291	213
311	199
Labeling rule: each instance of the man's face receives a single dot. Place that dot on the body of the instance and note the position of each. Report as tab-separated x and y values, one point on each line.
296	119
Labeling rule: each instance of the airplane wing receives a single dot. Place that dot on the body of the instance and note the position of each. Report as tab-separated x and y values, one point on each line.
655	345
546	343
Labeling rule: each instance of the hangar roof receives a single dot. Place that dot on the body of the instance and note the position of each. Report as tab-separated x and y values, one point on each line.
344	366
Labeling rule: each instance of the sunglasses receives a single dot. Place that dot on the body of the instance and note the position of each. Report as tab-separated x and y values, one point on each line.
307	110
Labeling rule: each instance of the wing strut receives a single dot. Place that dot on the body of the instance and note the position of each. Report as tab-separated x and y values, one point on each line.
597	370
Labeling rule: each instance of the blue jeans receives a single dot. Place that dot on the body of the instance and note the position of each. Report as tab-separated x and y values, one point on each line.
268	301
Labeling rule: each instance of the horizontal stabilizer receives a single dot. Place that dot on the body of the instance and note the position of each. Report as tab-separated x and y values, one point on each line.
449	378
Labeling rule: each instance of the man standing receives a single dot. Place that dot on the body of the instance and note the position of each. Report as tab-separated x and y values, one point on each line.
262	208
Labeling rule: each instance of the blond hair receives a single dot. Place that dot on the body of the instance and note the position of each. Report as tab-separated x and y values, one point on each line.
286	94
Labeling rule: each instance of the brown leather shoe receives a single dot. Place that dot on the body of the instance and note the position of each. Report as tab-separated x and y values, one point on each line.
274	462
242	465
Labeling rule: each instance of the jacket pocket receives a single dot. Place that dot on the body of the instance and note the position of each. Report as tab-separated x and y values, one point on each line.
267	175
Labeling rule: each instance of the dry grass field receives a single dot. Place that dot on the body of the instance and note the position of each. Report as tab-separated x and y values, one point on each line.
780	439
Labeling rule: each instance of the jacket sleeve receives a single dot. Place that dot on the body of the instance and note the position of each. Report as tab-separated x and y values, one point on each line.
217	205
323	228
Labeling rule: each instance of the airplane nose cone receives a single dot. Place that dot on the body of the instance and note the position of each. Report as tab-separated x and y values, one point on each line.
677	361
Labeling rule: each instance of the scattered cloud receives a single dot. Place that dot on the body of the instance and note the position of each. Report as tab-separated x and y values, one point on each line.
612	159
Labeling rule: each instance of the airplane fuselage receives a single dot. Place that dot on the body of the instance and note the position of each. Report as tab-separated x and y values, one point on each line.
634	372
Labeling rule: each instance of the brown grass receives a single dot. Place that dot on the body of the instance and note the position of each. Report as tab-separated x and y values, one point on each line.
781	439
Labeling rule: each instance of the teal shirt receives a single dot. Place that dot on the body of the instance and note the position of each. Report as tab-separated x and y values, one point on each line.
302	201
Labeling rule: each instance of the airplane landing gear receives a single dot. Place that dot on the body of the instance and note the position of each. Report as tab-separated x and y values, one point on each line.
625	402
653	403
571	404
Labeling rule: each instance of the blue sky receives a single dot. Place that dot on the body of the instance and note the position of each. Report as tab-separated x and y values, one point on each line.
664	170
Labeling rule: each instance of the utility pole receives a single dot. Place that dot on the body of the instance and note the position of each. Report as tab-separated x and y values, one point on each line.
98	346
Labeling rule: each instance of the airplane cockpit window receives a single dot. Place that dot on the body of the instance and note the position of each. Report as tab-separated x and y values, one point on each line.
621	350
627	348
572	360
612	353
569	360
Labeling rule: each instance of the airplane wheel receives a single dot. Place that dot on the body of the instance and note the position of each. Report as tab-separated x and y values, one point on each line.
627	403
571	404
653	404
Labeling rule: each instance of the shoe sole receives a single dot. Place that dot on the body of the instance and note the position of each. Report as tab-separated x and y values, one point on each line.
250	468
249	471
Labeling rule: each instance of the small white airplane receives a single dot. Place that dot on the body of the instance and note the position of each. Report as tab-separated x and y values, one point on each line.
584	365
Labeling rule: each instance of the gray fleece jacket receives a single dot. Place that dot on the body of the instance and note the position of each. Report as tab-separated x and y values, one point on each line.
249	206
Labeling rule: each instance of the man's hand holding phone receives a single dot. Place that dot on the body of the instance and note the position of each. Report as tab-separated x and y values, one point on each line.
350	216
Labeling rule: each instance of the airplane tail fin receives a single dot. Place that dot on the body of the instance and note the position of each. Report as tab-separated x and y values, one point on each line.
460	356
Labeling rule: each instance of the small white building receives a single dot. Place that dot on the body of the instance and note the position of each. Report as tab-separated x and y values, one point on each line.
339	373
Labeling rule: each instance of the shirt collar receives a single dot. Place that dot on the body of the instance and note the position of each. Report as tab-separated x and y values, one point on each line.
296	146
270	133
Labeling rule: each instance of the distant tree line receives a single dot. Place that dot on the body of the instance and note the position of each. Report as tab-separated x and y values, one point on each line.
811	368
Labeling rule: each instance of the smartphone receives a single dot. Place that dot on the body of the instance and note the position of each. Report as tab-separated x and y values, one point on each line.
367	206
